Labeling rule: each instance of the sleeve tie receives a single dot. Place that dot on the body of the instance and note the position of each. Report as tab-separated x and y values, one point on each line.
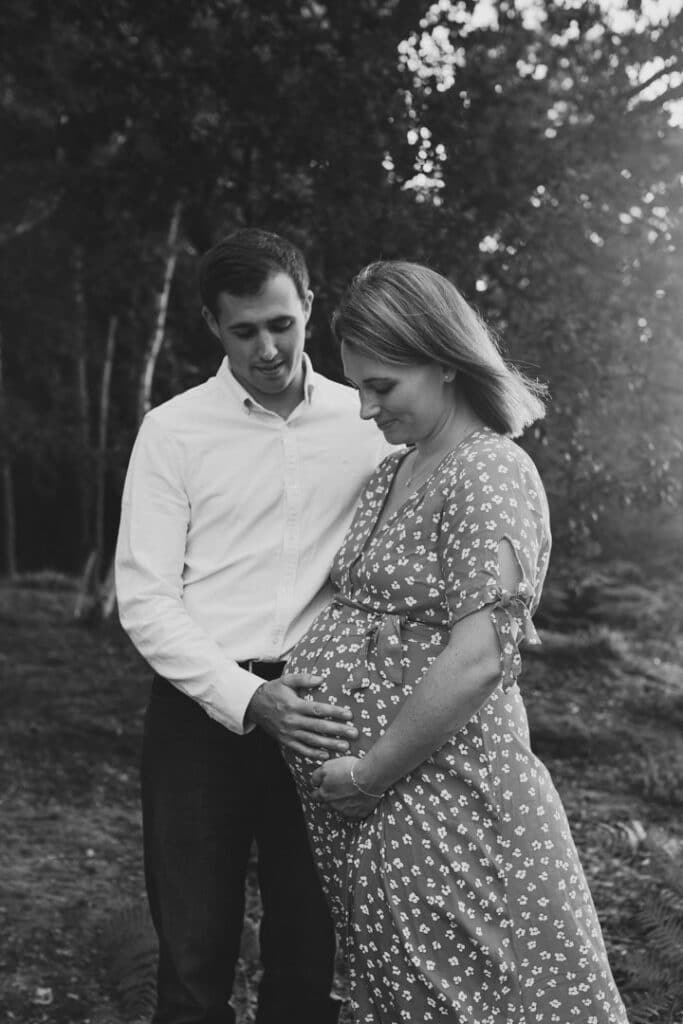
511	618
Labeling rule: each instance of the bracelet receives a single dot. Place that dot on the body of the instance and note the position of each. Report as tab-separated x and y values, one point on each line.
357	785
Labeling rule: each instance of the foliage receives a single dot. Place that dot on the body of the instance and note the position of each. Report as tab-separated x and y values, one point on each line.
131	948
531	156
570	174
660	966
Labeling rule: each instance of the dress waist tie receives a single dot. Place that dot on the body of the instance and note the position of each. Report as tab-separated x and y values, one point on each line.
383	633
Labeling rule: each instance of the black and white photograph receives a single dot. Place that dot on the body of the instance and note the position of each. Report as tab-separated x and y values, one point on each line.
341	512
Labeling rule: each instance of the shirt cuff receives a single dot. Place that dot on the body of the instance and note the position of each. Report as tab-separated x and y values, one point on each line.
228	705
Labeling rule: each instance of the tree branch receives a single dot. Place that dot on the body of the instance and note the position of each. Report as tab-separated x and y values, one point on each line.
669	68
37	212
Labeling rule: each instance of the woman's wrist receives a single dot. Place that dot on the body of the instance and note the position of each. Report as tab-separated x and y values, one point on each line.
369	775
360	784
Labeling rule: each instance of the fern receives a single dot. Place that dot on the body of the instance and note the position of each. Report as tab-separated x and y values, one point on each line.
662	777
131	946
656	974
663	926
624	834
131	949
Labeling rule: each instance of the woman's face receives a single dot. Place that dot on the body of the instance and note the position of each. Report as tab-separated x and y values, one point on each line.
409	404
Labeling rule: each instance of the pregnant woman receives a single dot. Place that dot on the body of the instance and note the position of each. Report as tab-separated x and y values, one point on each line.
442	844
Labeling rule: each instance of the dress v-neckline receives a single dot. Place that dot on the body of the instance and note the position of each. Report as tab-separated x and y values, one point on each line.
376	530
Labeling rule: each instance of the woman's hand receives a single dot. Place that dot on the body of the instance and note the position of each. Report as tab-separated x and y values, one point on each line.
333	786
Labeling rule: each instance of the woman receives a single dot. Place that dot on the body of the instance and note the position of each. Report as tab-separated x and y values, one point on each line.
443	847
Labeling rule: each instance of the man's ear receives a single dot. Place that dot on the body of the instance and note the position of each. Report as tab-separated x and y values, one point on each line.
211	321
307	304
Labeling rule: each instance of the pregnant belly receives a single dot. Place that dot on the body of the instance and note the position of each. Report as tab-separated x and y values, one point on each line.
337	659
337	650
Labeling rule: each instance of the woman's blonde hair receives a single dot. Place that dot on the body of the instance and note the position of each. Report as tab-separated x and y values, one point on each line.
404	313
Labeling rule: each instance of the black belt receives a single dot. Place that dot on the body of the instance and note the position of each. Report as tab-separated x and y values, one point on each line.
265	669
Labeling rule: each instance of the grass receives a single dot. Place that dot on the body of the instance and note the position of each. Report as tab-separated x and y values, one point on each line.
606	712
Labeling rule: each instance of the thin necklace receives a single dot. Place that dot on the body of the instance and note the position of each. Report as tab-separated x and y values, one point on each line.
417	474
431	464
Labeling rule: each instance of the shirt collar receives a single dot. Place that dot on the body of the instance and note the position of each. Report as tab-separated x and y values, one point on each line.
309	379
241	395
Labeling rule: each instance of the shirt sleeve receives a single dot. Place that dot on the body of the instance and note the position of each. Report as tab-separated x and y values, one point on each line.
495	497
150	558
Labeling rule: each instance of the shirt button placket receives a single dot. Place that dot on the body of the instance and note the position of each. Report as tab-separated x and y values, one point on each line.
290	535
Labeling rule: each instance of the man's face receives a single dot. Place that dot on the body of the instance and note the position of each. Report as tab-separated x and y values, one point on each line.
263	336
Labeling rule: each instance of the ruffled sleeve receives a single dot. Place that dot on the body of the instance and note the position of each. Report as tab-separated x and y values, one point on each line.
495	496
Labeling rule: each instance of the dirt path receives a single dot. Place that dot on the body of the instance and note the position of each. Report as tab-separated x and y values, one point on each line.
70	863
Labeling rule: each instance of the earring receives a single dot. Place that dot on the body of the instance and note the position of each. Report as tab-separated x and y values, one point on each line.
449	377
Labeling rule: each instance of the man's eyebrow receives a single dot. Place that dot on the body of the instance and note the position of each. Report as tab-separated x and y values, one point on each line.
250	323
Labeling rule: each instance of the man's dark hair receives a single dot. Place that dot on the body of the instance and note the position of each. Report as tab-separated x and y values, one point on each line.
242	262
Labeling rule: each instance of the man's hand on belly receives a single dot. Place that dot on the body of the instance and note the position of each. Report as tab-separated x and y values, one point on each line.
310	728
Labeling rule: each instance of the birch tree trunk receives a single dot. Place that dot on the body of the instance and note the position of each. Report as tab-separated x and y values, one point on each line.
105	391
91	598
107	597
83	399
157	337
8	505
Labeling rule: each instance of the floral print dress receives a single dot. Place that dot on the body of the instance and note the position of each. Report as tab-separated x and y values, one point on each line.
461	897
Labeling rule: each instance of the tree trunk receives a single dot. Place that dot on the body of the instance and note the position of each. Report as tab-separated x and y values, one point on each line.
8	504
92	598
108	593
83	401
105	389
107	597
157	337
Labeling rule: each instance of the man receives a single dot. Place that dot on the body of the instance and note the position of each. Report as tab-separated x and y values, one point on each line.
238	494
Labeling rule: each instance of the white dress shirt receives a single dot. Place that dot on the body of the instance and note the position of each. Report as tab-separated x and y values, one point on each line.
230	519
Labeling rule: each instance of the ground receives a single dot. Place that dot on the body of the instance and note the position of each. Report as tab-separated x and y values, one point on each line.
606	708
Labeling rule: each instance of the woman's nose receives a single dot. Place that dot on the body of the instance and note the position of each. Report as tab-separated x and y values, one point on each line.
368	407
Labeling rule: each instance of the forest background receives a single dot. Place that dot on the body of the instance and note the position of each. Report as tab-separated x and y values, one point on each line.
532	150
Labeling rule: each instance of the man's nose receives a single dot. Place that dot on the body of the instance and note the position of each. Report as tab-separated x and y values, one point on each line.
267	349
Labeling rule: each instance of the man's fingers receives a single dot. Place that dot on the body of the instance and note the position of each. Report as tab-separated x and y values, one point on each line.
317	710
300	680
320	741
312	753
303	681
322	727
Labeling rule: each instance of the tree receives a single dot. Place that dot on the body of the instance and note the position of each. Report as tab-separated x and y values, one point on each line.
525	152
549	176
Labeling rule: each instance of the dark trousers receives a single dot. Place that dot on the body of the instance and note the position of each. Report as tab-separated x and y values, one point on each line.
207	794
